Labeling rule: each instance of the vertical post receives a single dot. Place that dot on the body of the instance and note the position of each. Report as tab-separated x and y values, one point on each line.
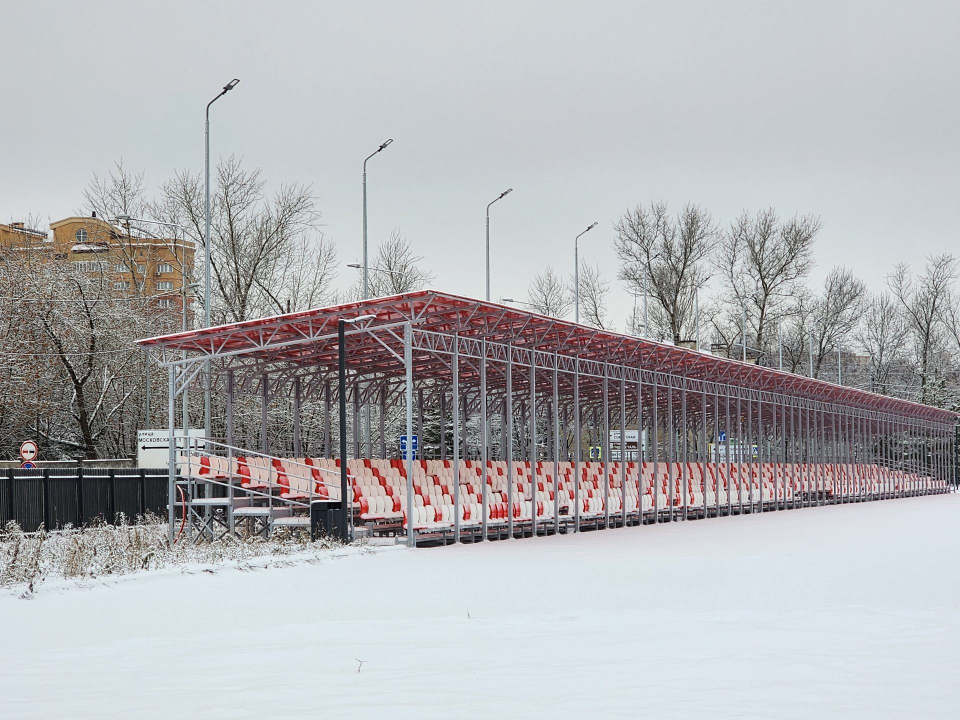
623	446
327	424
758	462
726	426
702	449
556	443
533	442
455	361
230	445
264	414
297	445
346	502
685	466
640	449
172	452
605	445
655	443
230	392
408	395
576	444
740	444
443	417
356	424
671	450
508	440
382	420
484	437
749	463
716	449
420	418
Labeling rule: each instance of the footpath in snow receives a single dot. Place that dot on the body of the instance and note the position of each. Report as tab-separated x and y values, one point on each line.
838	612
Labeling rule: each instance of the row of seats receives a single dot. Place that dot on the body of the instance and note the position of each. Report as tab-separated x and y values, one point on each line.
588	489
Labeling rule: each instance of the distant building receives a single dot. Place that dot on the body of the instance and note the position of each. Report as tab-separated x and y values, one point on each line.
129	260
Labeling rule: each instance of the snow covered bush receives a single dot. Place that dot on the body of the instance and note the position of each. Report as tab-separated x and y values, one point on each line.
27	559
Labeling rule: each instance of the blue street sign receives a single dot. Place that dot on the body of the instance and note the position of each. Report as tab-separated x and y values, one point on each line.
414	445
723	436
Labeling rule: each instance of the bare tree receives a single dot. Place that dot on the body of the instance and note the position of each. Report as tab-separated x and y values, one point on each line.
924	300
836	313
671	256
763	259
268	254
75	355
883	336
593	297
395	270
548	295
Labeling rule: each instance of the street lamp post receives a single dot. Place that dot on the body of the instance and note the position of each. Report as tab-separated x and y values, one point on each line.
499	197
366	284
206	249
342	387
576	273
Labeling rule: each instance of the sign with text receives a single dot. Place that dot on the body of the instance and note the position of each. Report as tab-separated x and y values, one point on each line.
153	446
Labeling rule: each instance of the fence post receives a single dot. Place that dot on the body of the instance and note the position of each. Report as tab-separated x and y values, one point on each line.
113	497
142	491
79	496
12	504
47	510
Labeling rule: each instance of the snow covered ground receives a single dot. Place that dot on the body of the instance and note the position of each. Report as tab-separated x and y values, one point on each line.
839	612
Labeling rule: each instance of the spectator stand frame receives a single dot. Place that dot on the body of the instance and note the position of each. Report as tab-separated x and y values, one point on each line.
528	389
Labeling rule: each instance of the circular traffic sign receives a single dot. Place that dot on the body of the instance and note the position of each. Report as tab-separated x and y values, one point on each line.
28	451
27	465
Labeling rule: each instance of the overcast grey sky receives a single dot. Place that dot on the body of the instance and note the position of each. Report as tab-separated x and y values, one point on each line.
843	109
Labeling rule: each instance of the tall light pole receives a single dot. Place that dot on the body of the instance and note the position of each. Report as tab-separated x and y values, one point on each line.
499	197
206	248
366	283
576	273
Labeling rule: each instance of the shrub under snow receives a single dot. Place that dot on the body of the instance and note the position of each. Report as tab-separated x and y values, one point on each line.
28	559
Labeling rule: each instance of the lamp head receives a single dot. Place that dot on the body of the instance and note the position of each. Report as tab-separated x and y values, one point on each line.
591	227
231	85
355	266
384	144
506	192
359	318
506	299
122	219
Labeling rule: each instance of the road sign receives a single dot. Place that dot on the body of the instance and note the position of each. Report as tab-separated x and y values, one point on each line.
153	446
27	465
596	452
414	445
723	436
28	451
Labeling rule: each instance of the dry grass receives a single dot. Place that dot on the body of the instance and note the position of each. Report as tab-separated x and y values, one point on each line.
28	559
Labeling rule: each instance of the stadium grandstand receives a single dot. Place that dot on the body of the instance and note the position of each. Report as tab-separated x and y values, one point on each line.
544	426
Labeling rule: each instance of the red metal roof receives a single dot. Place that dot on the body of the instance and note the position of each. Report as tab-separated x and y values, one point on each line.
303	338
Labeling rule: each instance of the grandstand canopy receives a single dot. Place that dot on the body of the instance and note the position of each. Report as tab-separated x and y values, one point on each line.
376	346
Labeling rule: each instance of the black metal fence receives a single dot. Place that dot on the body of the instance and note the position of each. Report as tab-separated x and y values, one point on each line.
60	496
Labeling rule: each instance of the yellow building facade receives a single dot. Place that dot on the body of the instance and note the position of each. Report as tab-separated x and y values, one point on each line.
127	259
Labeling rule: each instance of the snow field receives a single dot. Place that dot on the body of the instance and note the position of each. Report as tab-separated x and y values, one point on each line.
836	612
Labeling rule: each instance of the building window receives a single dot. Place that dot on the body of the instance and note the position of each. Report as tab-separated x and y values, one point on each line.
165	285
121	285
88	266
164	268
141	269
165	303
120	267
81	235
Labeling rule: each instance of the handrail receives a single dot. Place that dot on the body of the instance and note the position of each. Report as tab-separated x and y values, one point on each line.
232	451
